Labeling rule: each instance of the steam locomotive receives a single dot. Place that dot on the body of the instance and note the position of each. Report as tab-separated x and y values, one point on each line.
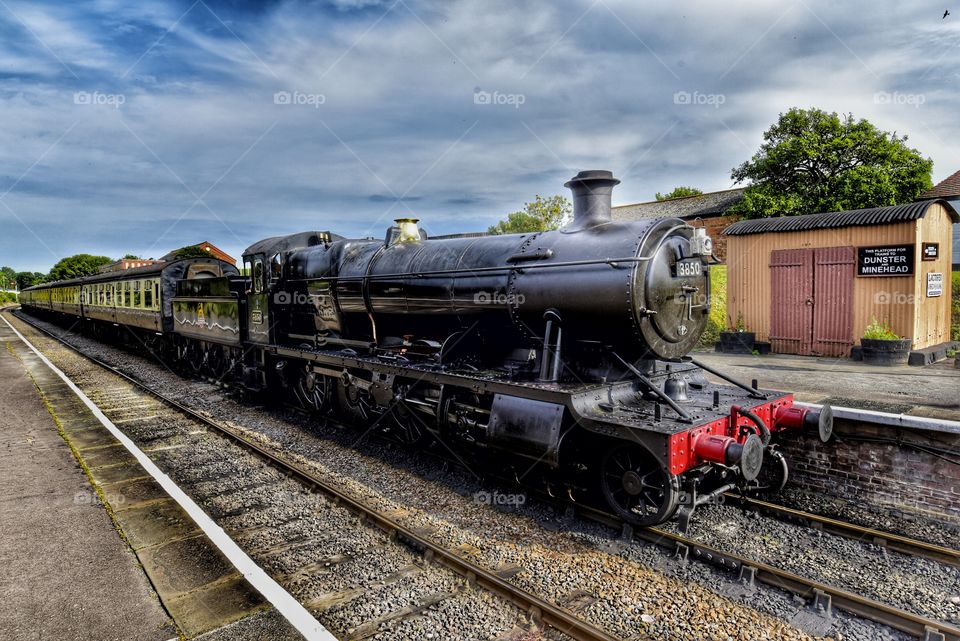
557	359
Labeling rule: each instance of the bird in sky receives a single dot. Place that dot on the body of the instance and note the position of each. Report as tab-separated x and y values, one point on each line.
945	14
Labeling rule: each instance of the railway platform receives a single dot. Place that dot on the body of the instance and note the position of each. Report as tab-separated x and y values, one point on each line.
929	391
64	571
112	559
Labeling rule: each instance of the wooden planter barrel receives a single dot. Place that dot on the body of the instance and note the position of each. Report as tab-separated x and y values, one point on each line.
885	352
737	342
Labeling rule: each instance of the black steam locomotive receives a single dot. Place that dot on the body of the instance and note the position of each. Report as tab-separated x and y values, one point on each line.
557	359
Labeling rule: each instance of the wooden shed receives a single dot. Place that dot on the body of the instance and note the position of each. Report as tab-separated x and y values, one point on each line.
811	284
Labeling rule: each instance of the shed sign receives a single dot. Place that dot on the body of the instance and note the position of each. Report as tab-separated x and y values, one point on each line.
934	284
894	260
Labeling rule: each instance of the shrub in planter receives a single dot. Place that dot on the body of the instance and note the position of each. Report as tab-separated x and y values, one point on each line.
880	346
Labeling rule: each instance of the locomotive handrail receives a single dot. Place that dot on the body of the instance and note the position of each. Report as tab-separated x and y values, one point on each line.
612	262
753	392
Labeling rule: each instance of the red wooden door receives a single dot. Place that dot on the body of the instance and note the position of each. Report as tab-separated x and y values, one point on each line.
811	301
833	275
791	301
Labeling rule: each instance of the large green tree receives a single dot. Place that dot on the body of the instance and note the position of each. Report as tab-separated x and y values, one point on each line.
77	266
540	215
679	192
813	161
29	279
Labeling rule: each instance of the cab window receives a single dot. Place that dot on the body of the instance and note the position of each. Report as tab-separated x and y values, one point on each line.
258	275
276	267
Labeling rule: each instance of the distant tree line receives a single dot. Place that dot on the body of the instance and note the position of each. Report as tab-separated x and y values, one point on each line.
77	266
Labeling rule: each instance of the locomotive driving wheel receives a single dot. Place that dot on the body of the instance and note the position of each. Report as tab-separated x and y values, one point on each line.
637	487
409	427
312	390
355	401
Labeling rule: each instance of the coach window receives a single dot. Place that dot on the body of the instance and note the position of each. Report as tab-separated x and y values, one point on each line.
136	293
258	275
156	293
147	294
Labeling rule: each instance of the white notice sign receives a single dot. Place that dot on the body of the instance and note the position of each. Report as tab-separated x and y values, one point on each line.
934	284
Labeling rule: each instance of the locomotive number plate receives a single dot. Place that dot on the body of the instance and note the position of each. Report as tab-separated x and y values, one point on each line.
689	267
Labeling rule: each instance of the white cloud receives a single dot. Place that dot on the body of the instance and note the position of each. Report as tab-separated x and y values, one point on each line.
398	112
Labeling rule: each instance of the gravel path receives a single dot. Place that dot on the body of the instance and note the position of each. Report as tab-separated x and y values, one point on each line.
629	588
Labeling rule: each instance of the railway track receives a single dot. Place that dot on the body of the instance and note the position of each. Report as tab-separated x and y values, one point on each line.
539	610
889	540
822	595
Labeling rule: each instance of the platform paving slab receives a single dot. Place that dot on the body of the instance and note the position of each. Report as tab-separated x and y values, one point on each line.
185	576
932	391
65	573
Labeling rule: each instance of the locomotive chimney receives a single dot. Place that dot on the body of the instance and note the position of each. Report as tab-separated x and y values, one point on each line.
592	194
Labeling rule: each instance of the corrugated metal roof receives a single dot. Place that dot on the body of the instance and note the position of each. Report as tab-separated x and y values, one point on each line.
874	216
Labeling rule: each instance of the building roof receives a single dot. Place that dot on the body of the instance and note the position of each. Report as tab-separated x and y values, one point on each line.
714	203
949	187
206	245
119	265
832	220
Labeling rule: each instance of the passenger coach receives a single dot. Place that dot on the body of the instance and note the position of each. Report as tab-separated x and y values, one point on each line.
140	298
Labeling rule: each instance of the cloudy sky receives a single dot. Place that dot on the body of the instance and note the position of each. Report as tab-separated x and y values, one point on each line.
144	126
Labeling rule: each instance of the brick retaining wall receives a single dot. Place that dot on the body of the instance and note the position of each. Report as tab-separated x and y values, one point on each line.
889	475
